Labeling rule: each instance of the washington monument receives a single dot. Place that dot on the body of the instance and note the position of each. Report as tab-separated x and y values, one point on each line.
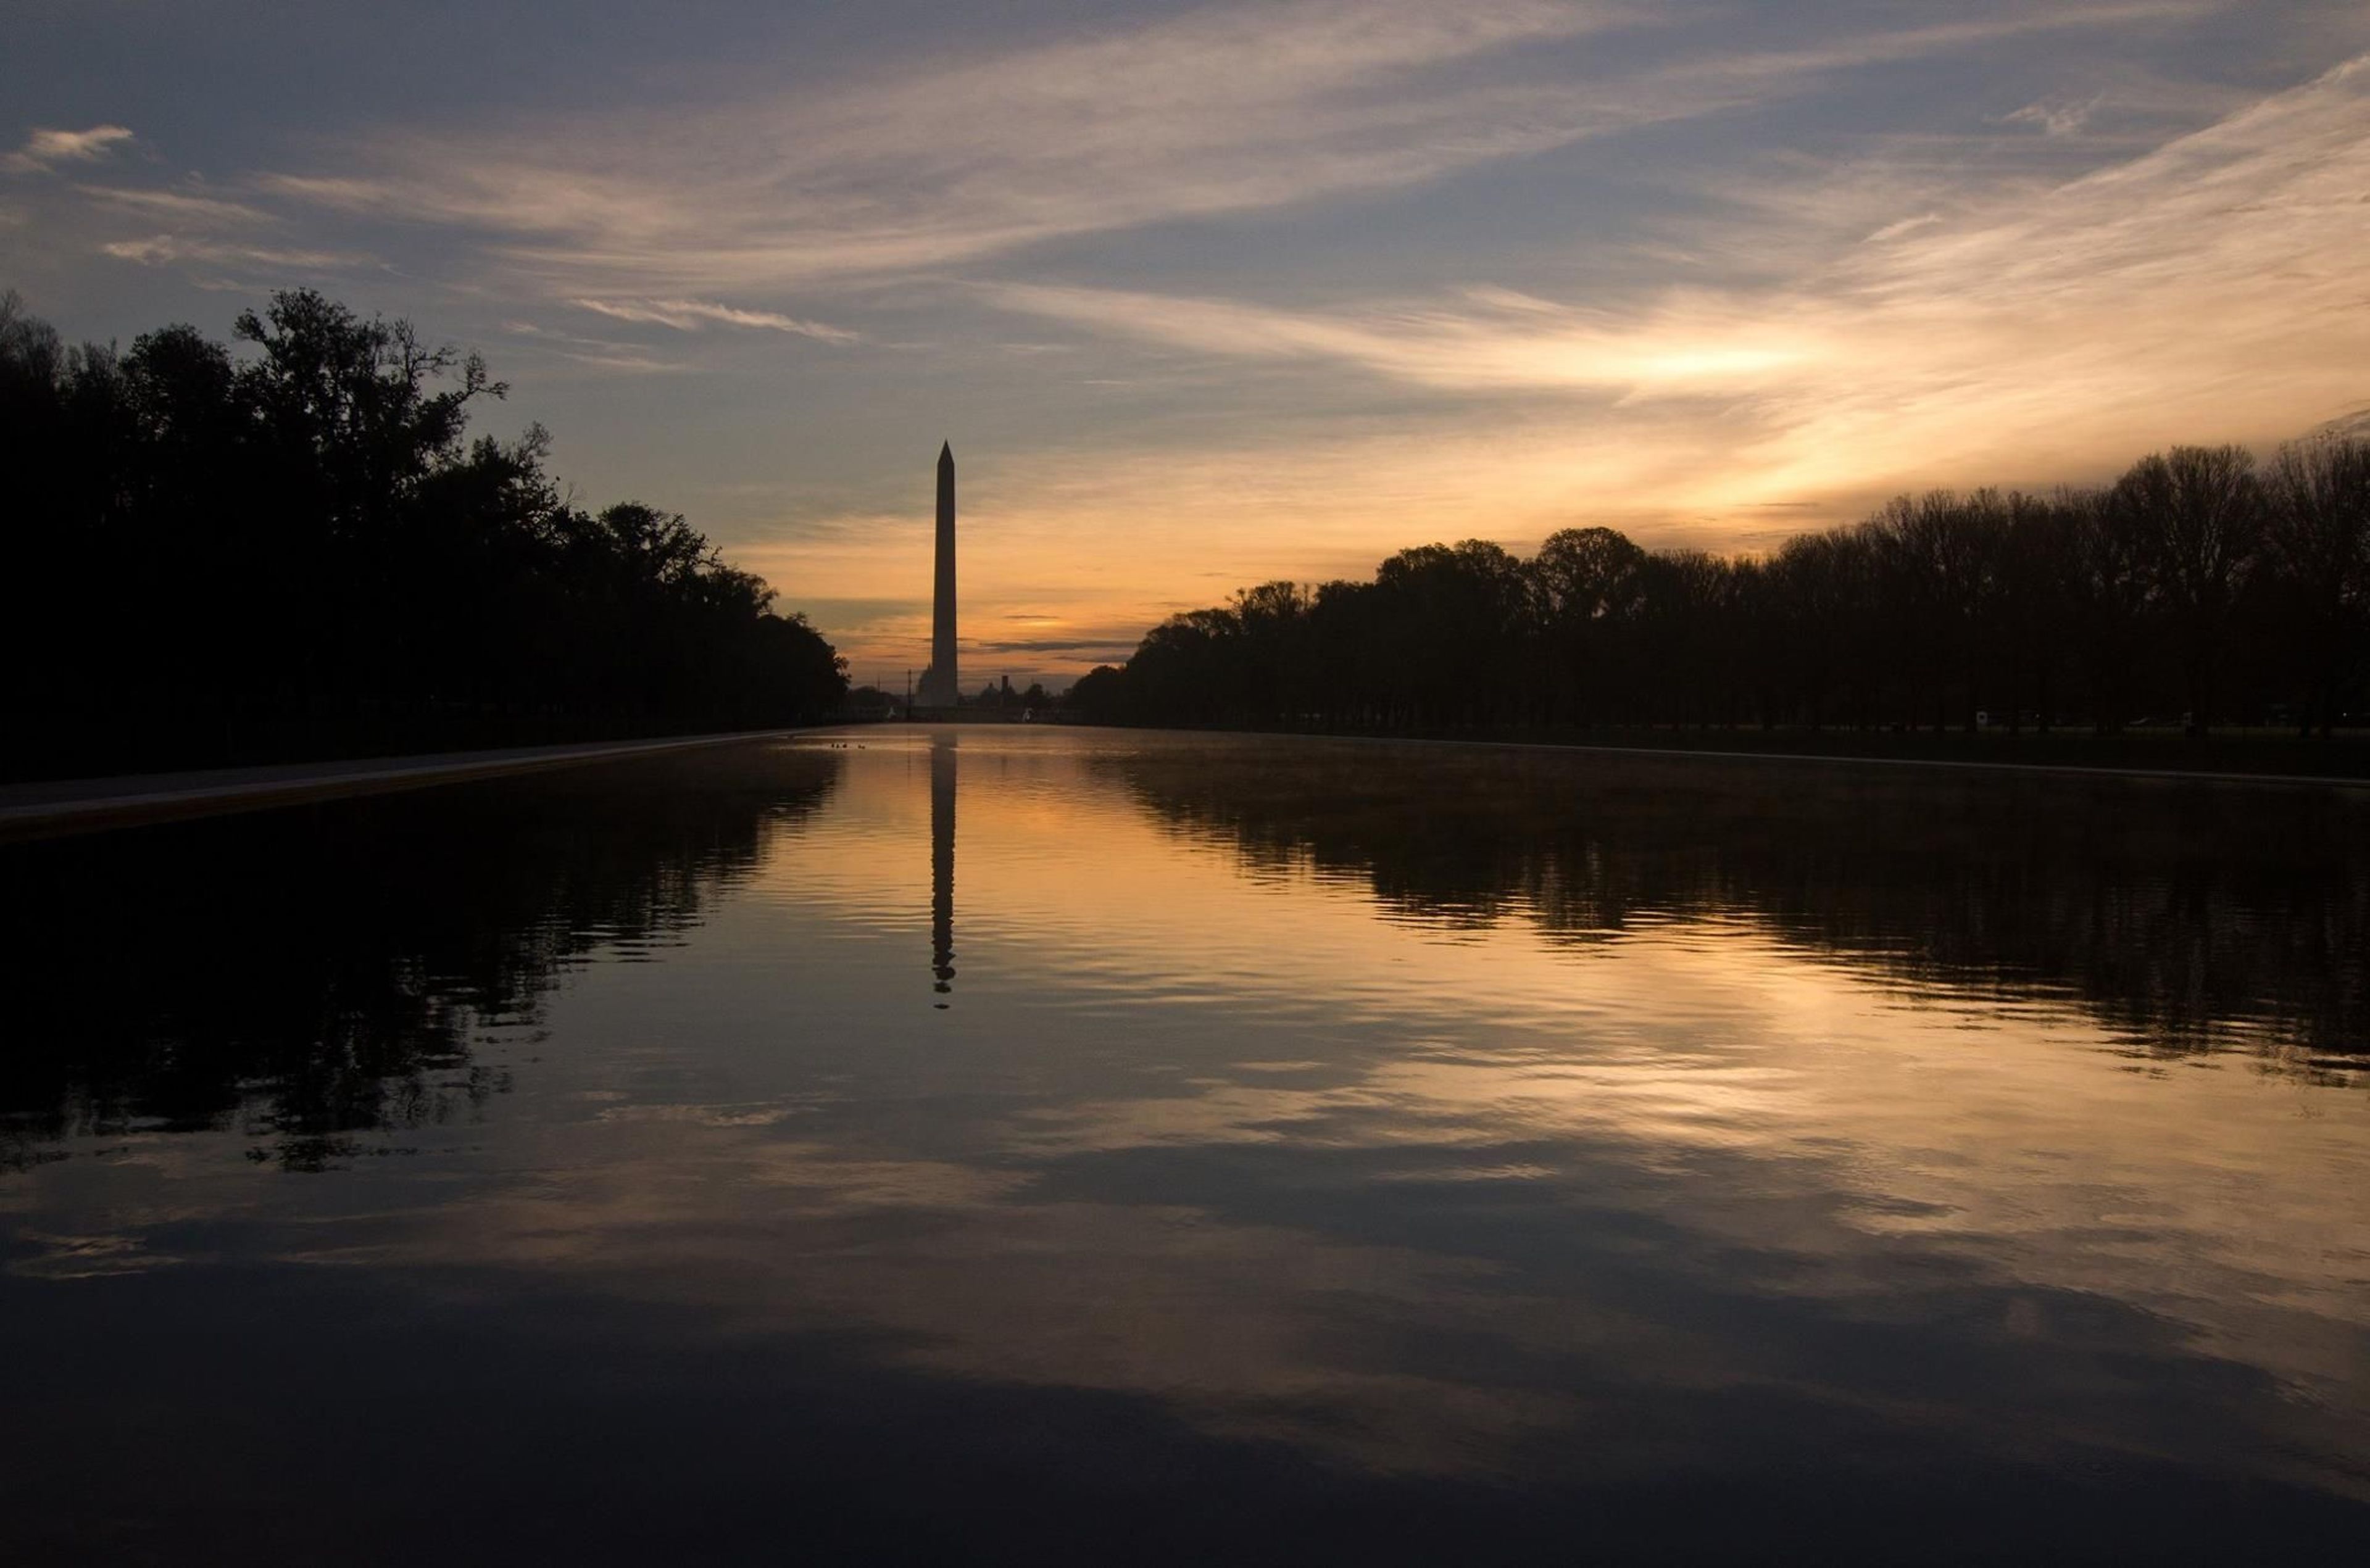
940	687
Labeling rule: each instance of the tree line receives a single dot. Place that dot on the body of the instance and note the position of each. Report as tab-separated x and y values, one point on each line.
295	549
2199	588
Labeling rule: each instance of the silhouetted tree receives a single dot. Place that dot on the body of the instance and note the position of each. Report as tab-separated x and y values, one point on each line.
1589	586
2113	595
297	550
1818	584
2201	510
2186	577
2036	566
1450	619
1103	695
2318	540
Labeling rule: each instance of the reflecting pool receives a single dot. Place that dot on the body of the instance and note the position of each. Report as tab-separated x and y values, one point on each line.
1022	1144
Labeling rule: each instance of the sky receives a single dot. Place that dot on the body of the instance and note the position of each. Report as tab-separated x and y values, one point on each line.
1205	295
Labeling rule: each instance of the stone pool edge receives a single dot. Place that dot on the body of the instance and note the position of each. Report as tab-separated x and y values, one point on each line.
79	806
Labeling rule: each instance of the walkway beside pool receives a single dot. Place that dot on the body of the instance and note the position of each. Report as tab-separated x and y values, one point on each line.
76	805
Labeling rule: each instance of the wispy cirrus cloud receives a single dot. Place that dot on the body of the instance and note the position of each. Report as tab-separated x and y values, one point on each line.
2202	289
2210	286
596	354
208	231
1243	108
1249	105
1755	265
2053	119
187	207
1489	339
690	315
626	362
158	250
44	149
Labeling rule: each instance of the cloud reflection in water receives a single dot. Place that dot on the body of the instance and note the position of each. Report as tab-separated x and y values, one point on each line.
1608	1136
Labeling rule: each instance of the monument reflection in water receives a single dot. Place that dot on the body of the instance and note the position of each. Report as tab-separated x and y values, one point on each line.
1339	1151
943	862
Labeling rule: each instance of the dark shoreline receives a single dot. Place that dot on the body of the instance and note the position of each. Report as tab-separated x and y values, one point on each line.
44	808
2342	762
56	807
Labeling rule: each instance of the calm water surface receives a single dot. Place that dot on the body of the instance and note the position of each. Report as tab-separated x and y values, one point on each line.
1030	1145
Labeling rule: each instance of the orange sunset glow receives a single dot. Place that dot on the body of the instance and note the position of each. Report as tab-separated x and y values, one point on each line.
1209	295
1250	783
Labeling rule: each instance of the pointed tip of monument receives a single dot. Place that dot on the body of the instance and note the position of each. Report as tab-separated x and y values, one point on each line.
947	450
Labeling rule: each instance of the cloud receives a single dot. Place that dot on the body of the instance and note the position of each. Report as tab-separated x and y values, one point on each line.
1100	646
158	251
1236	109
179	206
2210	286
630	364
690	315
46	149
208	231
1689	344
1897	285
2205	289
1215	112
1894	231
2053	120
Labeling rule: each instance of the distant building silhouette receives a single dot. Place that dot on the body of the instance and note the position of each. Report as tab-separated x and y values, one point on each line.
942	687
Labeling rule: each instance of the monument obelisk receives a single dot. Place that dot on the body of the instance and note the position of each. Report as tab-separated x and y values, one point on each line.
940	687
